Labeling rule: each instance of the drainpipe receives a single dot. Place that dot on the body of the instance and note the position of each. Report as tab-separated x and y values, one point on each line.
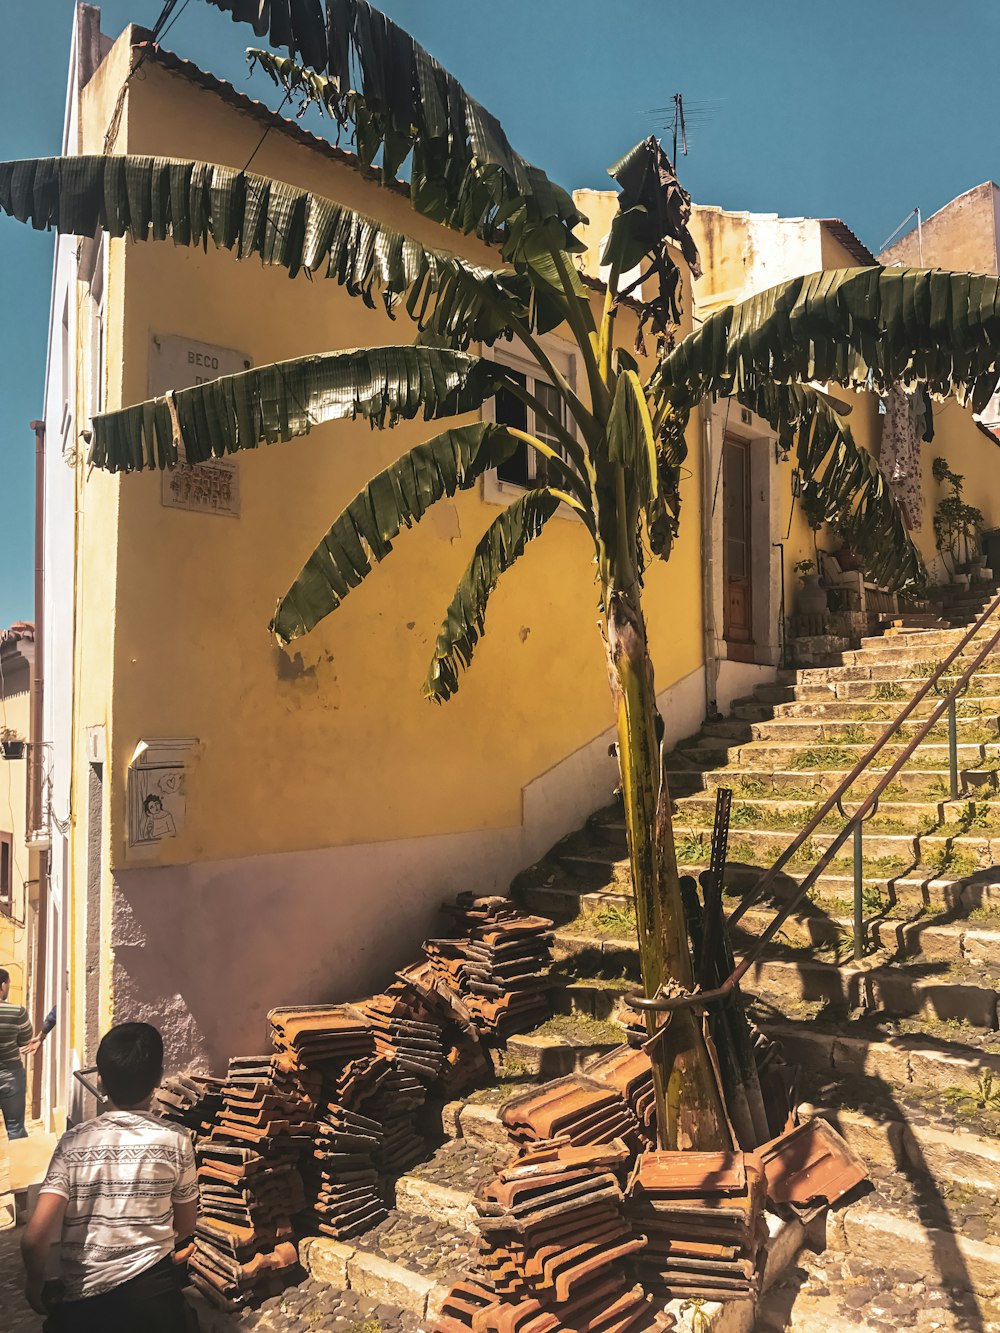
708	562
40	1008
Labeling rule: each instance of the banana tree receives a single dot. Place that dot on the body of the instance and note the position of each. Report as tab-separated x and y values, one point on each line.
613	453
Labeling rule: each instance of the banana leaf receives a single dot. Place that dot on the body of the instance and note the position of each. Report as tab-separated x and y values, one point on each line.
289	398
863	328
500	547
295	229
845	479
397	497
401	101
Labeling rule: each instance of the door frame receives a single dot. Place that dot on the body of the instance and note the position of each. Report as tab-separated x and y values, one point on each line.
769	498
739	649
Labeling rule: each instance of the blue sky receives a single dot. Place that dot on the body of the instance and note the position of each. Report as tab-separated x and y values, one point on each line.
860	109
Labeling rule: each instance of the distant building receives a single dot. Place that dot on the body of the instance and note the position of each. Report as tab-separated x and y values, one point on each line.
965	236
18	862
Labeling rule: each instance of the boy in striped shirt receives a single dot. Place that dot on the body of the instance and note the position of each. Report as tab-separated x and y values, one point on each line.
15	1034
121	1194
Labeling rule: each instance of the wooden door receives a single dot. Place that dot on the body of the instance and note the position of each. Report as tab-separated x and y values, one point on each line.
736	565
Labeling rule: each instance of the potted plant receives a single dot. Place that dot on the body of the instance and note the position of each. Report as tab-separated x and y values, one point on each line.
847	553
811	600
957	525
11	744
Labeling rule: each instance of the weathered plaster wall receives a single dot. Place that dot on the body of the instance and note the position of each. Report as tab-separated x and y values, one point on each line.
961	236
204	950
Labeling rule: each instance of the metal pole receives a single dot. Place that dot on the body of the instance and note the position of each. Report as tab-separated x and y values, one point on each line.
953	748
859	907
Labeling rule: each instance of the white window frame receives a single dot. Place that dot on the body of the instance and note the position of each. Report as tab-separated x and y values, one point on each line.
97	280
564	356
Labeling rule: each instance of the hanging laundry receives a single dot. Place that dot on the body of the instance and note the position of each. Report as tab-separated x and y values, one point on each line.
903	427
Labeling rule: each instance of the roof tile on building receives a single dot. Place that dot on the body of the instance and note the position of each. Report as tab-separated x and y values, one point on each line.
259	111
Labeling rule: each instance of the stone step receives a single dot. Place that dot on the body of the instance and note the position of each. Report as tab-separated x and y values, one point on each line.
409	1260
938	851
883	1226
936	637
910	1131
897	690
769	755
902	918
881	711
799	783
442	1187
841	1290
593	885
898	1058
561	1046
918	903
959	992
893	990
759	846
970	729
766	811
917	649
940	941
902	672
913	892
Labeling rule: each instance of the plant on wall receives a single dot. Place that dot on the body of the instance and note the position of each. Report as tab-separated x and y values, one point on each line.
613	452
957	525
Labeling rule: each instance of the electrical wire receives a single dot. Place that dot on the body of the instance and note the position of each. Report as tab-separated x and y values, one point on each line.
159	29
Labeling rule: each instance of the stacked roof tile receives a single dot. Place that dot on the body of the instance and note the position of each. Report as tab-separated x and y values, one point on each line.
190	1100
249	1186
630	1074
341	1176
497	962
553	1250
576	1109
702	1215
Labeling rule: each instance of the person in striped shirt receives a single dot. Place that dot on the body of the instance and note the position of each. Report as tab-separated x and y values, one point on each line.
121	1195
15	1034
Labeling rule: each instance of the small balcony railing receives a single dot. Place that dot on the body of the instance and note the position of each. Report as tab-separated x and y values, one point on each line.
36	816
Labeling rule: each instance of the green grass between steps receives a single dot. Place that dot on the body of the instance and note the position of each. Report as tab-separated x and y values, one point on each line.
610	922
581	1030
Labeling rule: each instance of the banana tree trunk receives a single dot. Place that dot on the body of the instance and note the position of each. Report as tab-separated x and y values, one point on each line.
689	1106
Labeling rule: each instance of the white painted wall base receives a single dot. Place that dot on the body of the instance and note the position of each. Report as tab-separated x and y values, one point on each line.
737	679
205	950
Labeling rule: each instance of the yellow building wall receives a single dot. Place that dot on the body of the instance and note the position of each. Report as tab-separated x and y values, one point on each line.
329	744
15	714
343	707
972	454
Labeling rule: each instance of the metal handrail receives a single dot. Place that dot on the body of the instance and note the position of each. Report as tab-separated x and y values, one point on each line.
699	999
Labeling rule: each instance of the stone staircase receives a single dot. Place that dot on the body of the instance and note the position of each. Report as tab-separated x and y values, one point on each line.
901	1051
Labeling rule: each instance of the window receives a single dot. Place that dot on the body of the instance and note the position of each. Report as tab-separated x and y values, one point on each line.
6	873
97	332
527	468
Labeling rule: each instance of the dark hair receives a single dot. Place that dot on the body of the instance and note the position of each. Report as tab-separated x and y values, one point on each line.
130	1062
4	976
152	797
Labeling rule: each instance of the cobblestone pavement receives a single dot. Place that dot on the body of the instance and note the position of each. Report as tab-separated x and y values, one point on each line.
421	1244
462	1166
16	1315
834	1293
310	1307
